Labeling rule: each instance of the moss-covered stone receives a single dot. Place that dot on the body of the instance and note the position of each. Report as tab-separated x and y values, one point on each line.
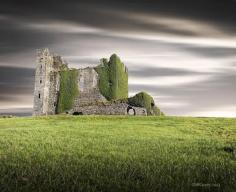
113	78
156	111
143	99
68	89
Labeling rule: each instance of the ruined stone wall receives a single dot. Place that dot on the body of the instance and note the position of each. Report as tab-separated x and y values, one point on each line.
139	111
53	92
54	84
46	82
89	101
59	63
109	109
42	76
88	87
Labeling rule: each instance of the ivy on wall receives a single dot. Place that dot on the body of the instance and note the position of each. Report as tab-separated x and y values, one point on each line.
113	85
113	78
143	99
68	89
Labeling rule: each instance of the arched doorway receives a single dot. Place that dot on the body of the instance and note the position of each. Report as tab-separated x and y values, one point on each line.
131	111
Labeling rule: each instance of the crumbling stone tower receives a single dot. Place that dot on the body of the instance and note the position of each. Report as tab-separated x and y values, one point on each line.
46	82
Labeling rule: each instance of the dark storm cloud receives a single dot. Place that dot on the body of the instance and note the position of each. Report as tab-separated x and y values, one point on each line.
16	37
106	15
126	27
202	8
20	75
98	17
15	81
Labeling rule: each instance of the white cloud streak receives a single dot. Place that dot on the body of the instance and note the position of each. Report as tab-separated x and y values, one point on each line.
141	48
169	81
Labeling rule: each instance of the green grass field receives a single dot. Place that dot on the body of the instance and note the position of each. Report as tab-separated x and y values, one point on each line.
116	153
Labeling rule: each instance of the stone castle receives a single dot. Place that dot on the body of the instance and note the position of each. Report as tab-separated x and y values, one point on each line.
92	90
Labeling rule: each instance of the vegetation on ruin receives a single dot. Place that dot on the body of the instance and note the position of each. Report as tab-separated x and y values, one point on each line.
143	99
68	89
113	78
113	84
117	153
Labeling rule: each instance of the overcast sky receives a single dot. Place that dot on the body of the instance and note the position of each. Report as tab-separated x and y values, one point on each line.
182	52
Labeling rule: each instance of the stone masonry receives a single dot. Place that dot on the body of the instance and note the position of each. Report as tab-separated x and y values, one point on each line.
88	87
89	100
46	82
108	109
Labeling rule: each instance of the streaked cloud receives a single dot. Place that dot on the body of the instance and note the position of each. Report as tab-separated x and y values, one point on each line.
169	81
62	27
182	53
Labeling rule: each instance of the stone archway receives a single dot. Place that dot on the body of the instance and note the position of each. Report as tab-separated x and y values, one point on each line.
131	111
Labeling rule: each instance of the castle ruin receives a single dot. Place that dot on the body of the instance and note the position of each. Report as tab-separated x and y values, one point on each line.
100	90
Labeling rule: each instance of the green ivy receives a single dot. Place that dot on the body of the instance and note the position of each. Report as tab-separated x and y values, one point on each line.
68	89
143	99
157	111
113	78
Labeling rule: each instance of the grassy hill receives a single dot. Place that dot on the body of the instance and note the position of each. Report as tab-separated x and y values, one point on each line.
115	153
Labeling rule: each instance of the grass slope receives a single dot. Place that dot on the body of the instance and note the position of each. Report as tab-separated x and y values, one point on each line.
114	153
